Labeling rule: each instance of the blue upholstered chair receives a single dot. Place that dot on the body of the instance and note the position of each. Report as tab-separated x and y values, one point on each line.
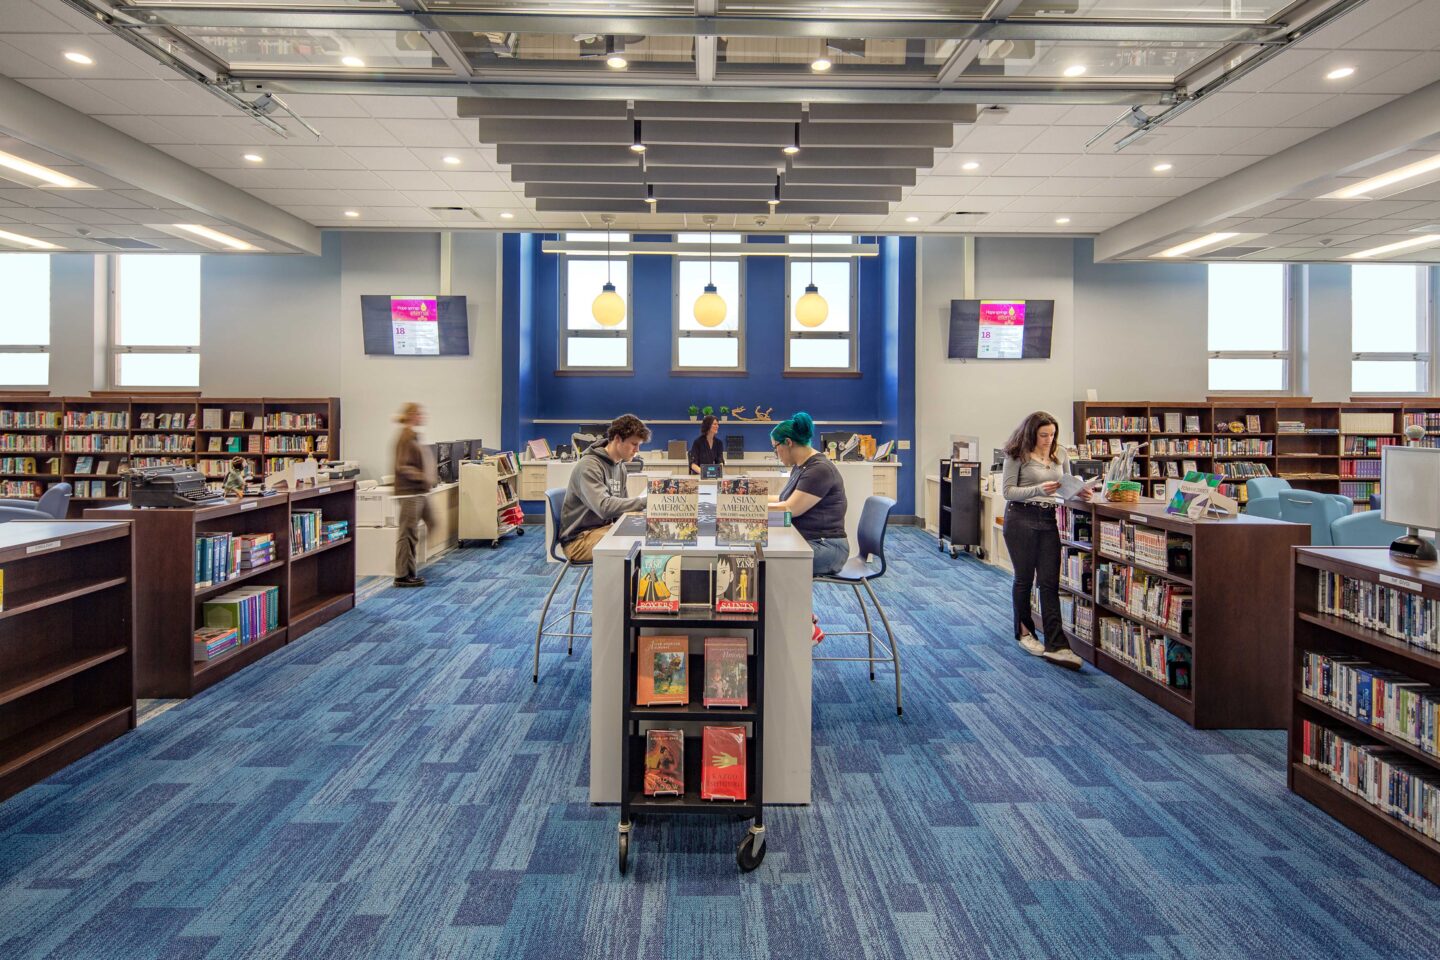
1258	488
1375	501
1365	529
858	571
555	498
1319	510
53	505
1267	507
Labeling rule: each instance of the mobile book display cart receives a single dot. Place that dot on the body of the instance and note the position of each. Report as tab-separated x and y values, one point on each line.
691	715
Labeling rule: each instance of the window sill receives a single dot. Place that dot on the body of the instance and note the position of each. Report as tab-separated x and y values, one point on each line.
598	372
824	374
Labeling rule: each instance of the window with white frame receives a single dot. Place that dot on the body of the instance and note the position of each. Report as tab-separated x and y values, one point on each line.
156	320
830	346
1248	327
586	344
25	320
696	347
1390	322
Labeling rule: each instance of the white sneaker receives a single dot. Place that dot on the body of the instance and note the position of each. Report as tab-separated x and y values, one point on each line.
1063	658
1030	645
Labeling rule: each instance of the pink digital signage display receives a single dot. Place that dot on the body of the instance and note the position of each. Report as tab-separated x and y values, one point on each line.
1002	329
415	325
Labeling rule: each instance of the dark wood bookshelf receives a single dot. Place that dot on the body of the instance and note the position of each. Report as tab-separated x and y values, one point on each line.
1239	666
314	588
1313	631
67	644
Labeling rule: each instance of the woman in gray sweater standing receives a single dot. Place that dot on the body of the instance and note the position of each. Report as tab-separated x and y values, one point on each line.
1034	464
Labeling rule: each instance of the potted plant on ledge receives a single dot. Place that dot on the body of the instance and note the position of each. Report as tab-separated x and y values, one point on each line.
694	412
724	413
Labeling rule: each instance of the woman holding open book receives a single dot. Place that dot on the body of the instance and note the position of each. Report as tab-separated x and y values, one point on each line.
1034	465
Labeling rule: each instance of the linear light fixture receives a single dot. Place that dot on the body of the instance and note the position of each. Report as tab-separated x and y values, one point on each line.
215	236
1364	189
23	241
1427	240
1209	240
42	173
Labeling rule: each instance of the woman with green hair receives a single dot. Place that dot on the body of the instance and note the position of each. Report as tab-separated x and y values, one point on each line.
814	495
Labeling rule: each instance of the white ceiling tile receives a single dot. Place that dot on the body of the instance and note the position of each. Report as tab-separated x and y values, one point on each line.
1032	165
144	129
27	16
1006	186
405	108
498	199
934	184
426	135
1000	138
920	203
474	181
18	64
1337	110
413	180
1068	140
1269	109
385	158
1417	29
1272	141
1099	165
1267	75
355	132
1418	71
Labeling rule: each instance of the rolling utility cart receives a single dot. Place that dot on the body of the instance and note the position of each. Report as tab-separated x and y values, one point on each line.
490	499
696	621
960	507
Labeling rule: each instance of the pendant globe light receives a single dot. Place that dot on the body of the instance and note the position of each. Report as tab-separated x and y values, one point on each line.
811	309
710	306
609	307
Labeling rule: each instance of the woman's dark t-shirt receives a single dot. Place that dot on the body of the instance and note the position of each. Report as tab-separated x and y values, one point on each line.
702	453
819	478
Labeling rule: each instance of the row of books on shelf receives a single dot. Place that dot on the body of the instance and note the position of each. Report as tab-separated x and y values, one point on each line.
504	463
1357	421
30	419
1291	427
163	443
93	443
1100	448
1360	491
1404	616
1076	567
97	420
26	443
659	584
253	612
1161	659
722	763
21	489
280	464
309	529
1381	776
89	464
1078	616
137	463
1146	596
96	489
504	492
1360	468
295	421
1169	422
236	444
167	421
299	444
1367	446
1429	421
1151	546
1117	424
1249	447
1174	447
662	672
214	418
28	465
1386	700
224	556
1075	524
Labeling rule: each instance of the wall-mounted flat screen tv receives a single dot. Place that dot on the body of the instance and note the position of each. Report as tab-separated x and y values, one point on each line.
415	325
1000	329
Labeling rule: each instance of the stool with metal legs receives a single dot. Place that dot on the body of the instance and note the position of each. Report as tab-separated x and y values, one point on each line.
858	572
556	498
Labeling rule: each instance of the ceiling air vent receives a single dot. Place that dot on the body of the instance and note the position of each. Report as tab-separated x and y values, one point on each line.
455	213
1231	253
125	243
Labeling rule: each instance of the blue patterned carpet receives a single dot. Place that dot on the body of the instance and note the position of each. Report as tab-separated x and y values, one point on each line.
393	786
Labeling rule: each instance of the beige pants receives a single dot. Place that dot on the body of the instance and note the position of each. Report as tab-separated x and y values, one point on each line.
413	510
582	548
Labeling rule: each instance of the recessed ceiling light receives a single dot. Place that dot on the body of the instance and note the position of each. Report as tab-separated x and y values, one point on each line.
970	165
1162	167
215	236
15	238
38	172
1362	190
820	64
352	213
1075	70
80	58
790	150
1430	239
507	215
352	61
912	219
1062	220
617	63
254	158
453	161
1209	240
1340	73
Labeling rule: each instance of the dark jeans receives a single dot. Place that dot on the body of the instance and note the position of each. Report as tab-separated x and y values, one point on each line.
1034	545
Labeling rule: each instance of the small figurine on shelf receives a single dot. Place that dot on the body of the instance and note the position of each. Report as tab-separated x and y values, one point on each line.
235	479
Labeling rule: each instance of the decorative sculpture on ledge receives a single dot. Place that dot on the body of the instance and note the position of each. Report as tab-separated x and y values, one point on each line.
762	414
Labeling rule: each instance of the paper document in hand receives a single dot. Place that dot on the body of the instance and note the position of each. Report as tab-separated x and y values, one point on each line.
1071	485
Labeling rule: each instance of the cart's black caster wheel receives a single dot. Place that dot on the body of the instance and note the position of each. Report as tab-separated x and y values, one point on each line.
941	548
954	553
980	553
519	531
624	852
494	544
747	856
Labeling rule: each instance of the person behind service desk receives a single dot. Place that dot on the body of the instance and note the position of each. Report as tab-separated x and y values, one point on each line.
1034	464
706	448
595	497
414	477
815	497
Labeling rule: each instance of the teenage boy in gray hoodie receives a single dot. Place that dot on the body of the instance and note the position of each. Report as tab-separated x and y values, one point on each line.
595	497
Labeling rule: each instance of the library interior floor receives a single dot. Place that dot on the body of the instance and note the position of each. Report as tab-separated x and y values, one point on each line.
395	787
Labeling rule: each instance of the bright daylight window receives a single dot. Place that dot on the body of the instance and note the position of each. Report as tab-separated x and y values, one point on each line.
830	346
1389	328
25	320
695	346
584	343
1248	329
157	320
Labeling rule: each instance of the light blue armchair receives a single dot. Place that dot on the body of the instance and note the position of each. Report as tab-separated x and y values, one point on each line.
52	506
1258	488
1365	529
1319	510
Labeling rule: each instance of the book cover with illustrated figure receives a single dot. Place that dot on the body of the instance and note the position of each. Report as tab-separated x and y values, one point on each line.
727	672
664	763
742	511
722	763
672	510
661	674
1252	423
658	589
735	585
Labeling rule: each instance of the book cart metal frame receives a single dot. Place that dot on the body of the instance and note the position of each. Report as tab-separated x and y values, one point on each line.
633	801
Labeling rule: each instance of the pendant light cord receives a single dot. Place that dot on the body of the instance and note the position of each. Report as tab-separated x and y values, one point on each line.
712	254
812	254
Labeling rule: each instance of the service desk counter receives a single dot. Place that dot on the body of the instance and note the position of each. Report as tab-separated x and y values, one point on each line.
786	752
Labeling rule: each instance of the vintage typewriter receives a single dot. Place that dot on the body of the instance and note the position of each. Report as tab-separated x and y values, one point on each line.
170	487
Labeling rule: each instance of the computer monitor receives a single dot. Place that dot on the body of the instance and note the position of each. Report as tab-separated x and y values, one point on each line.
711	471
1089	469
997	460
1410	480
635	465
837	437
596	429
459	450
443	451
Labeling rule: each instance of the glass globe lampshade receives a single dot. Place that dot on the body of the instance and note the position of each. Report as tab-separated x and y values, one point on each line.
608	308
710	307
811	309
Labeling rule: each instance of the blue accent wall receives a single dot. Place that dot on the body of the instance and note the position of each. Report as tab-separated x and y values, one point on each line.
884	390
